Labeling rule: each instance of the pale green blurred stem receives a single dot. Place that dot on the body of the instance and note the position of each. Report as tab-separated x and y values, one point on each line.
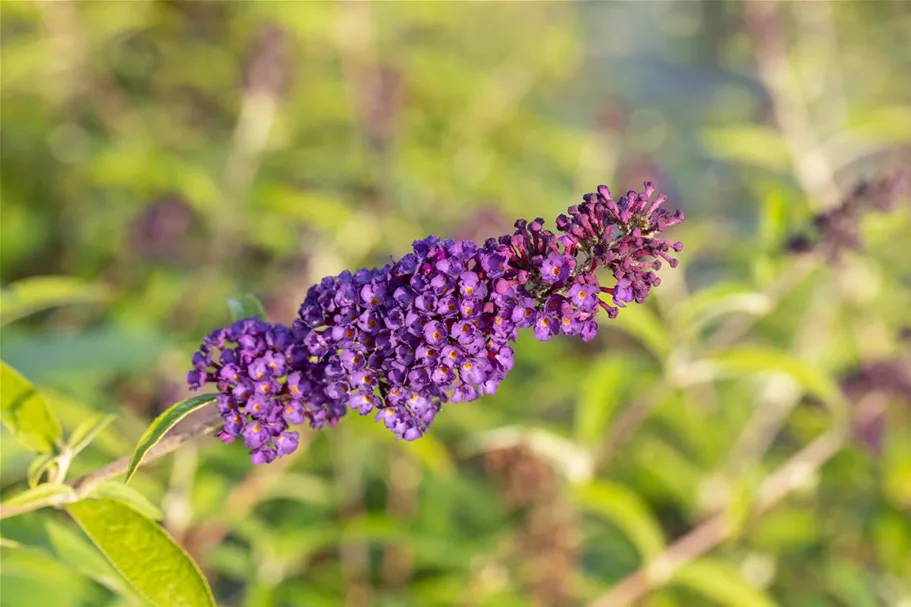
85	483
353	555
812	168
251	134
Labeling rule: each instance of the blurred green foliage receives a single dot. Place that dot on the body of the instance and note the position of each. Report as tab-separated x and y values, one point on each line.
160	158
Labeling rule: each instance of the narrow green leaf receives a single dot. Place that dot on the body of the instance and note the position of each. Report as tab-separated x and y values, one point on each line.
147	557
48	494
246	306
749	360
722	583
87	430
719	300
129	496
72	548
37	293
38	467
599	394
162	424
645	326
25	413
626	510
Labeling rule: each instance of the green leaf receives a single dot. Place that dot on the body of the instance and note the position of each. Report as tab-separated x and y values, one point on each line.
722	583
162	424
626	510
749	360
25	413
246	306
599	394
38	467
87	430
150	560
129	496
748	144
47	494
72	548
644	325
30	295
50	581
719	300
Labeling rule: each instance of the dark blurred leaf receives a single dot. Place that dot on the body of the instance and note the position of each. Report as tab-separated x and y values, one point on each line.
246	306
94	352
150	560
162	425
25	413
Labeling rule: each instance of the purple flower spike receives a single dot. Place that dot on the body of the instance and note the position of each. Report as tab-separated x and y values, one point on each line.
435	326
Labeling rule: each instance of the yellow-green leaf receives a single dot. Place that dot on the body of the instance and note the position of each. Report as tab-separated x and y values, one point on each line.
38	467
599	394
721	583
25	413
626	510
87	430
47	494
748	144
162	424
143	553
72	548
129	496
30	295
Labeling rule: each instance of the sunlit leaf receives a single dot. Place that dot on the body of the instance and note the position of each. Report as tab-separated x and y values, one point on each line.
147	557
30	295
129	496
162	424
25	413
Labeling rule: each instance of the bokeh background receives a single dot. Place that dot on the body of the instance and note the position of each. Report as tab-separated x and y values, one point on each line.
744	439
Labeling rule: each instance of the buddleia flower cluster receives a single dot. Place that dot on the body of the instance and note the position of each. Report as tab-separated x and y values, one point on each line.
436	326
